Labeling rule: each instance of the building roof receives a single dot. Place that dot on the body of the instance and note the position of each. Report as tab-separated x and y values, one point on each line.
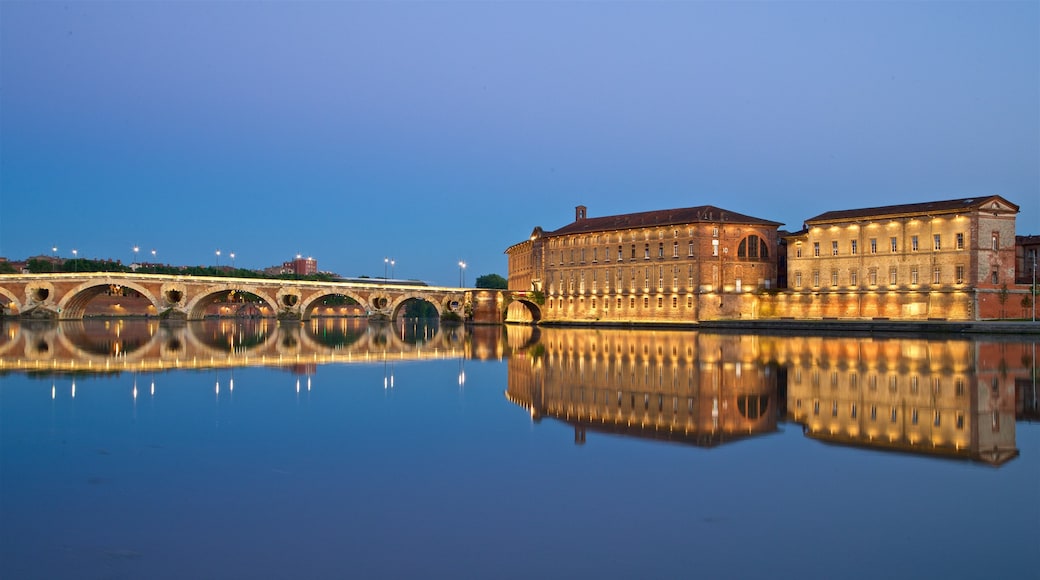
994	202
663	217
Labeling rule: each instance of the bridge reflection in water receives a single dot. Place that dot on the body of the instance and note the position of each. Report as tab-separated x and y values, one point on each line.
119	345
945	397
940	397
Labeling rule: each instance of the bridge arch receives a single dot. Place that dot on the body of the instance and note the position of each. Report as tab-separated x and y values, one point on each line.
196	306
10	303
309	304
523	310
398	304
74	303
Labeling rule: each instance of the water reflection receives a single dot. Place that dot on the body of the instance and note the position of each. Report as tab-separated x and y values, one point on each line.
938	396
932	396
101	346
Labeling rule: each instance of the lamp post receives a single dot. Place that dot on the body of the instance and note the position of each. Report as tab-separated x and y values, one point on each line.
1033	289
54	266
386	261
462	274
232	260
392	262
136	249
75	256
218	259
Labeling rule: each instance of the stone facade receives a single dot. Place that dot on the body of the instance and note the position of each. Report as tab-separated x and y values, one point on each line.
947	259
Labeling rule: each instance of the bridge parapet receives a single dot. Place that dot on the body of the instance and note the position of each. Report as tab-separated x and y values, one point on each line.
66	295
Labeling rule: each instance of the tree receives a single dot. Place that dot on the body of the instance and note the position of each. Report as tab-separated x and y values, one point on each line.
492	281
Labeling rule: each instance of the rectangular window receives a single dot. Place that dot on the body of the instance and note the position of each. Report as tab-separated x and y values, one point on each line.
619	254
646	251
937	239
715	232
913	275
873	245
689	249
675	249
937	275
816	249
893	274
834	248
960	241
996	241
895	244
660	250
872	276
853	278
913	243
797	279
798	251
960	274
816	278
834	277
852	247
995	277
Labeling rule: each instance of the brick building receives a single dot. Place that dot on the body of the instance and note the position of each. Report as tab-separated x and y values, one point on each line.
668	265
954	259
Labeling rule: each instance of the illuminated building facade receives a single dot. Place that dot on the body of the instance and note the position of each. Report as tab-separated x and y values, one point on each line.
945	259
946	398
703	390
659	266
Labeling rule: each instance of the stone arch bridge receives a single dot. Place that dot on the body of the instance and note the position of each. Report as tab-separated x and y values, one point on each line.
65	296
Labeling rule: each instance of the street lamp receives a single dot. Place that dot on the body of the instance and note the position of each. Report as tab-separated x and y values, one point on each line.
232	260
75	256
218	258
462	274
386	261
54	266
392	262
136	249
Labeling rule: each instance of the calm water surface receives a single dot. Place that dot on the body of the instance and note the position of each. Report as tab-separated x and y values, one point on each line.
338	449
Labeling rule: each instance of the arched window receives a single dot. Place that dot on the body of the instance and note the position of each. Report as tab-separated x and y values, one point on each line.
753	248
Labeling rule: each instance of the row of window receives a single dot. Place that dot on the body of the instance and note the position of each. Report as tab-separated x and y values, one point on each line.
619	302
893	277
893	414
620	237
571	282
937	244
893	383
751	247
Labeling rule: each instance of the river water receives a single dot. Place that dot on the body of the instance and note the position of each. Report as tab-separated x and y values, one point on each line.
339	448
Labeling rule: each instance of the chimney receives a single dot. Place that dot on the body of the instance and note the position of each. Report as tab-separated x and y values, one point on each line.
579	213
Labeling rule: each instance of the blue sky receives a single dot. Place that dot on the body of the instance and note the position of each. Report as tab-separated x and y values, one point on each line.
438	131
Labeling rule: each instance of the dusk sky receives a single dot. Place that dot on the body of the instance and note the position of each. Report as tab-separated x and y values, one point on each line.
438	131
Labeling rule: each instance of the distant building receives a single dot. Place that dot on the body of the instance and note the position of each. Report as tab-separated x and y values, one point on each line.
300	266
1027	258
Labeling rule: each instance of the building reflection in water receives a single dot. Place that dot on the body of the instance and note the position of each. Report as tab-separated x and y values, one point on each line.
950	397
681	386
954	398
